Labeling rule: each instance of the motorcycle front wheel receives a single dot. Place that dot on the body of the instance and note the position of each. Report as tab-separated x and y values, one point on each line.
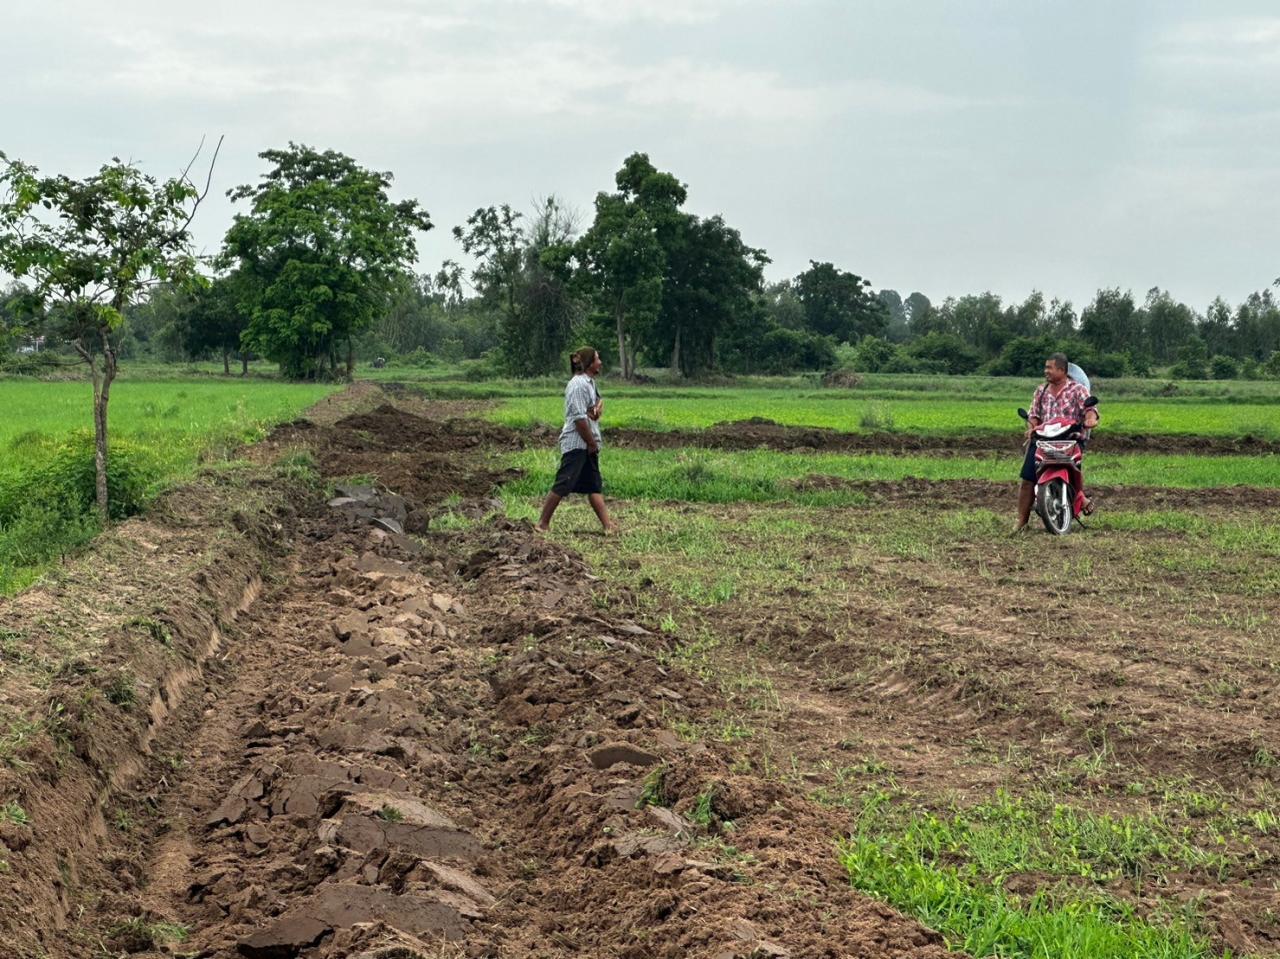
1053	503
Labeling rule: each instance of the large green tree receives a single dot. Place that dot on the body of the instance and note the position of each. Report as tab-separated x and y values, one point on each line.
215	321
89	248
840	304
1257	324
320	250
1112	323
523	273
1169	325
623	255
708	286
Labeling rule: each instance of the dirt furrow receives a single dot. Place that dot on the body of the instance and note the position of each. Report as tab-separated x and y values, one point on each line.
453	749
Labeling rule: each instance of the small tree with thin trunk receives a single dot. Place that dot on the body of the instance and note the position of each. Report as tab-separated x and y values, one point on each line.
89	248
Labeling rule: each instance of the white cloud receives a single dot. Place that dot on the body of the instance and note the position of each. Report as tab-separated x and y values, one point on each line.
1236	43
687	12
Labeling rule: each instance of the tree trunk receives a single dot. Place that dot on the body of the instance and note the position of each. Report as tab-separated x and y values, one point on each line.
226	362
622	344
244	364
351	359
675	354
102	396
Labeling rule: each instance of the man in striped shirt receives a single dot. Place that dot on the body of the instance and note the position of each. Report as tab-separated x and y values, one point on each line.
1058	396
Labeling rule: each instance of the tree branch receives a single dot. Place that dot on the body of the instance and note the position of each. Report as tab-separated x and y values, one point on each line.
207	183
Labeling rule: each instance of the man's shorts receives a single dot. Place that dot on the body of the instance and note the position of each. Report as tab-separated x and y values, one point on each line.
579	473
1029	464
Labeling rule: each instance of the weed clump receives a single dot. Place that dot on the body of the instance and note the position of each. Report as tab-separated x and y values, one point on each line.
121	690
877	418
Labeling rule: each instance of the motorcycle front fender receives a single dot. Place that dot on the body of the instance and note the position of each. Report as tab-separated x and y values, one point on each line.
1053	473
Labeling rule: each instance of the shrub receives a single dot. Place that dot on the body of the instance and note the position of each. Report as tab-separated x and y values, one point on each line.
877	418
841	379
783	351
1272	366
1109	365
901	363
872	354
482	370
36	533
1022	356
945	353
71	478
1193	363
1224	368
421	359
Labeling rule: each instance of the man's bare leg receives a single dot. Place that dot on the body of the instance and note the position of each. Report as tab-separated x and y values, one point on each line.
602	512
548	510
1026	495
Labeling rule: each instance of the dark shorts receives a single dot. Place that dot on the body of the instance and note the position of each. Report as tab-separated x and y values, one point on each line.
579	473
1028	473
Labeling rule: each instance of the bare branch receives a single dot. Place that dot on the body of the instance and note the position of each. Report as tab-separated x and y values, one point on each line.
187	169
207	183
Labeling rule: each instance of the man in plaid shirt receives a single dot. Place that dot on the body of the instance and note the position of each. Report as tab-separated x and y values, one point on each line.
1058	396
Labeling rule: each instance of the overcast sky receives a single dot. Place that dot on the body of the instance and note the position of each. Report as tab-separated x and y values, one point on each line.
949	147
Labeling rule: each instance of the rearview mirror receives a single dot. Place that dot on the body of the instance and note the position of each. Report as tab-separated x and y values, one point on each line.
1022	413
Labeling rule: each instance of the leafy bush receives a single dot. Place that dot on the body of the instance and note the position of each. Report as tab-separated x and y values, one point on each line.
1272	366
877	417
35	533
1022	356
482	370
66	479
420	358
1193	362
132	473
783	350
31	364
1109	365
901	363
944	353
872	354
1224	368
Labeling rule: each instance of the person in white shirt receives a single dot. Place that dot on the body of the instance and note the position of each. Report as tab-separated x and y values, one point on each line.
580	442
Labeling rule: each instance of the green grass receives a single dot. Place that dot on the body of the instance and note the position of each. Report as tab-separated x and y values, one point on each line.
713	476
858	410
950	870
182	416
448	381
159	433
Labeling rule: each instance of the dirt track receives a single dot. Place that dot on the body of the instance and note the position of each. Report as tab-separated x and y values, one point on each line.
450	745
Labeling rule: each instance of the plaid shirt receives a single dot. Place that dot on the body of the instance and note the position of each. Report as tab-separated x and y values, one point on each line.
579	396
1069	403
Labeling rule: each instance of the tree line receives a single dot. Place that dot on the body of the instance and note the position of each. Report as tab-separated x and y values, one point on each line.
316	272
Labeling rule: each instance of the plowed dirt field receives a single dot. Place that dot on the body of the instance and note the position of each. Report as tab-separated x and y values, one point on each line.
275	719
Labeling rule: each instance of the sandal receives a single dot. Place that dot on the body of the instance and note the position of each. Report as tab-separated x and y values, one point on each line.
1088	507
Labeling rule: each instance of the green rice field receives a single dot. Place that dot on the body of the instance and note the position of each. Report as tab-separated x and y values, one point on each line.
924	413
159	432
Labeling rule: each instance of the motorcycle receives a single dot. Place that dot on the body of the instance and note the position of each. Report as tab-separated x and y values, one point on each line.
1060	495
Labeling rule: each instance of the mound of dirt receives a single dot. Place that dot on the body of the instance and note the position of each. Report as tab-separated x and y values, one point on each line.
104	653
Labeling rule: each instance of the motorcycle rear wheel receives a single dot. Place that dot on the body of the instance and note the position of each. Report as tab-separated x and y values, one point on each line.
1053	503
